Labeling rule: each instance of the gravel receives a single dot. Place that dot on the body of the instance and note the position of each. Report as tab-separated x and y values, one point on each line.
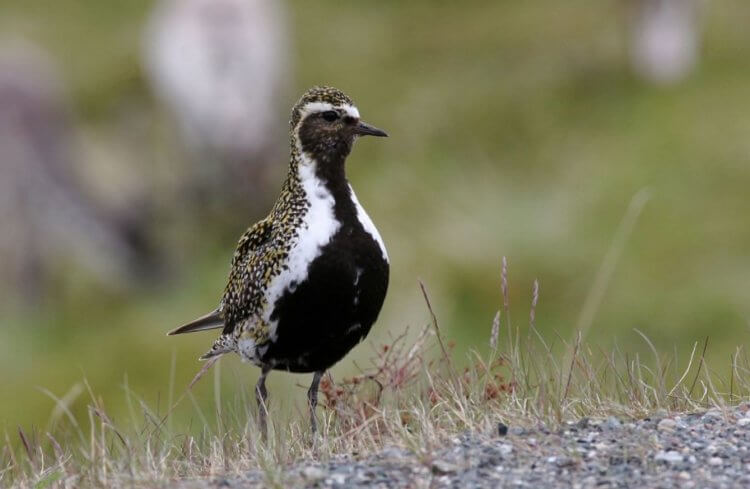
697	450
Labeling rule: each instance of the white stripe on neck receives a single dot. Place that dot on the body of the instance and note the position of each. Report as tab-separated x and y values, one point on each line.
318	226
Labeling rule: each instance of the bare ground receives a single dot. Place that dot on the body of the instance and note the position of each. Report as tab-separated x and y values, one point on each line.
710	449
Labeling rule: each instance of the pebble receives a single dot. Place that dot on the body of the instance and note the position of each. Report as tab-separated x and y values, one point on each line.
666	424
670	456
712	413
393	453
613	423
703	450
313	474
338	479
442	467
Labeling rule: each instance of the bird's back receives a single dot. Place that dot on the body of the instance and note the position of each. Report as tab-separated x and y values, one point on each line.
308	281
261	255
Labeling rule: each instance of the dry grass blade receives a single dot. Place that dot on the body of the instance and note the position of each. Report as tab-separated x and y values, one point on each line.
59	453
609	262
409	396
576	347
26	445
206	367
505	290
109	424
495	333
446	356
62	406
700	365
534	301
685	372
658	375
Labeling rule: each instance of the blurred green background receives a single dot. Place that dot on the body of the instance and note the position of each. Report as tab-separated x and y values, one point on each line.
517	129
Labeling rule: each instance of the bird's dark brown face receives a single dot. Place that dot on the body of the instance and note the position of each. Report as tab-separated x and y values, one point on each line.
327	132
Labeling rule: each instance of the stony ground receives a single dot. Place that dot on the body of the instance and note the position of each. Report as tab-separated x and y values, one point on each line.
701	450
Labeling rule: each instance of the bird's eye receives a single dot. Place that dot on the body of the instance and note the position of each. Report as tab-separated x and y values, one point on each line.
330	115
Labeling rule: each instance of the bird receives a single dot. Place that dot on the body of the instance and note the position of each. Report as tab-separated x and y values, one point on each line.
308	281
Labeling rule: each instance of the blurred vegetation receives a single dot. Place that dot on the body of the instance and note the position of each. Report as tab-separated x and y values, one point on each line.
516	129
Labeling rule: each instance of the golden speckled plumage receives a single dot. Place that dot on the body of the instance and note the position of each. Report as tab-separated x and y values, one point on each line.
307	282
262	250
260	256
330	95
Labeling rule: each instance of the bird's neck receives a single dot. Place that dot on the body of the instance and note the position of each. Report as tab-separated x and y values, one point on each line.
309	171
329	168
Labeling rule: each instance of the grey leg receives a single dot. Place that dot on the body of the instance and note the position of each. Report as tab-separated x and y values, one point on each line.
312	399
261	395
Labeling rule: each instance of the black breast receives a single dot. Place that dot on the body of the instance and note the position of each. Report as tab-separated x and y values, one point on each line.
333	309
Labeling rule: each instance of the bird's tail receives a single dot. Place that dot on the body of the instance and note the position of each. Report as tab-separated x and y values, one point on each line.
223	344
212	320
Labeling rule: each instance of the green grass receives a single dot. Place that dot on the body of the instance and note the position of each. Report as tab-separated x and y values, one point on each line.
411	394
516	130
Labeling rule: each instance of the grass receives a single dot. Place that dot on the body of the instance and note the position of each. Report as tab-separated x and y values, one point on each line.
412	394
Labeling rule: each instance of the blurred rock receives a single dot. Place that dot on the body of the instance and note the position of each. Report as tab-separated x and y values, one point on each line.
46	217
220	66
664	39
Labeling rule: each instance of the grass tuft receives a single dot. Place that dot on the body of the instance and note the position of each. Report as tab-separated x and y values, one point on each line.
411	395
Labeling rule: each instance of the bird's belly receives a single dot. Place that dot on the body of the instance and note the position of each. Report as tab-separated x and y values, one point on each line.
332	309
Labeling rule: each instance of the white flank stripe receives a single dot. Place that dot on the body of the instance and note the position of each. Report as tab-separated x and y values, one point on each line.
318	227
367	223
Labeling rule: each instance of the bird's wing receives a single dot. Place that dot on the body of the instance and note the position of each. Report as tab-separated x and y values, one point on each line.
251	265
250	241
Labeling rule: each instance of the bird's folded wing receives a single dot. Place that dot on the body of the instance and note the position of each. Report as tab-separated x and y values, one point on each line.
243	295
248	244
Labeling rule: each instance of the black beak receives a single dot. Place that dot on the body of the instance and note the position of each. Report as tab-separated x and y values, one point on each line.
365	129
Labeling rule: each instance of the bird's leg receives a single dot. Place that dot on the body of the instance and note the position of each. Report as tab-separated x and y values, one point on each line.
312	399
261	395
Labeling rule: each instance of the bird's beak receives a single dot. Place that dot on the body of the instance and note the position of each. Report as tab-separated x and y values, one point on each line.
365	129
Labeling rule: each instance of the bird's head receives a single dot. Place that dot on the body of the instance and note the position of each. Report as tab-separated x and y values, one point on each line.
325	122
